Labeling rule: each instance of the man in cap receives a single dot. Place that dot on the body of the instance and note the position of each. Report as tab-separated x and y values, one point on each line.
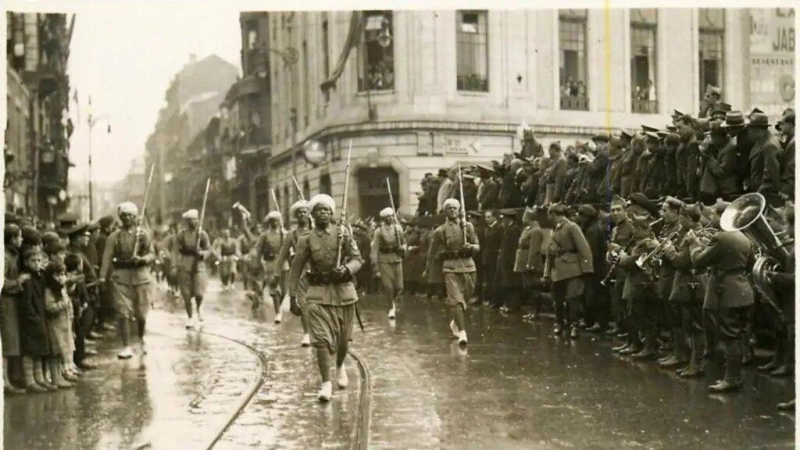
454	244
331	297
189	248
568	259
267	249
718	159
105	313
621	238
86	287
595	295
786	129
226	250
729	296
507	280
491	239
301	214
388	248
127	253
735	125
557	178
765	173
488	191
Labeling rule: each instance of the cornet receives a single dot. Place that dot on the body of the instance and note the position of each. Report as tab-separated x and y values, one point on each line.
244	212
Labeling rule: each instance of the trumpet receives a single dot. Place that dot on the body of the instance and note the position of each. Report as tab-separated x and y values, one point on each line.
644	261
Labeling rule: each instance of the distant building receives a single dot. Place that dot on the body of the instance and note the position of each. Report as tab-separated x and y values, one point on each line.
415	91
192	100
38	131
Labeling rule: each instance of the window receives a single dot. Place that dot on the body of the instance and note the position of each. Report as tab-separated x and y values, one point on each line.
712	38
326	57
572	64
306	189
644	23
376	52
252	33
325	184
472	51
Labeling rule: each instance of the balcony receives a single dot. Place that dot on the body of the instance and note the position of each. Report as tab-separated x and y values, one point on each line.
574	103
644	106
249	85
472	82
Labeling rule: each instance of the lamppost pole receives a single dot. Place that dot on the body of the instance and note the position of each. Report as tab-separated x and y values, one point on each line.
92	122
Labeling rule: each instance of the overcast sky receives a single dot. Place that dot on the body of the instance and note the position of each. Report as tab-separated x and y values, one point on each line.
125	62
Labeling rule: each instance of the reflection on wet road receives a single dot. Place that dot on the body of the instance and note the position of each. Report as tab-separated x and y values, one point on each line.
514	387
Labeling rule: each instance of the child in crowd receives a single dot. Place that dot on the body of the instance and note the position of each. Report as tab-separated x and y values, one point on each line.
34	341
59	324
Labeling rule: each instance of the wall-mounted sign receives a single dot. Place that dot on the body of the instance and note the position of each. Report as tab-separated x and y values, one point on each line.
458	145
314	152
772	43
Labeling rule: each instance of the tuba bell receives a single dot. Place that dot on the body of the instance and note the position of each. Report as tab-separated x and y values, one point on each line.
751	215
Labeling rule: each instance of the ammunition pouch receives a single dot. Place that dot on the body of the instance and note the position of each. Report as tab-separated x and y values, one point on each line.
455	254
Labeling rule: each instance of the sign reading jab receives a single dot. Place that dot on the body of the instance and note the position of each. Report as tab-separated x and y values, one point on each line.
772	44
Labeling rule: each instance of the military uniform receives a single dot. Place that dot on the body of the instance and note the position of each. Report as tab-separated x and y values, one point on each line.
227	250
669	314
129	283
490	249
621	235
728	294
637	292
458	268
568	258
330	302
387	251
189	263
267	249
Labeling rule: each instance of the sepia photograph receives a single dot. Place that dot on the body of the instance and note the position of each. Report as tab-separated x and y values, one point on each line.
380	225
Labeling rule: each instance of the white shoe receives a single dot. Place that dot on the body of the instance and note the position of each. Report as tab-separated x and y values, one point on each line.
279	317
306	341
190	323
199	315
342	380
454	328
462	337
126	353
325	392
392	312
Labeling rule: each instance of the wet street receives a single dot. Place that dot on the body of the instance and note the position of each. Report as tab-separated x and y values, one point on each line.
514	387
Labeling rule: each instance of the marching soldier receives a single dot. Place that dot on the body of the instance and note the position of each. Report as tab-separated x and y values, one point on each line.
568	258
266	250
126	255
728	295
226	249
189	248
388	248
331	297
300	212
454	244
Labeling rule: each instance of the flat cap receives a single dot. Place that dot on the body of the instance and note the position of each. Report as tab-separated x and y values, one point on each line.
587	211
641	200
557	208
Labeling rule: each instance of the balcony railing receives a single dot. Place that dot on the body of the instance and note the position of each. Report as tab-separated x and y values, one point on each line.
472	82
644	106
574	103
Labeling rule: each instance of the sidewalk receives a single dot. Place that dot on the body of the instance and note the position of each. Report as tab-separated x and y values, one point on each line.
180	395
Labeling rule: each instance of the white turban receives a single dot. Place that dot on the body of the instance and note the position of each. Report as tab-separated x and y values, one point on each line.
451	201
298	204
322	199
191	214
127	207
386	212
274	215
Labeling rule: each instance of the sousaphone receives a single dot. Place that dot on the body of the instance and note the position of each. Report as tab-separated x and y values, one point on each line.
751	215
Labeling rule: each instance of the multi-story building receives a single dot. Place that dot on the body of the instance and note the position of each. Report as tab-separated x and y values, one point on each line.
38	131
192	100
414	91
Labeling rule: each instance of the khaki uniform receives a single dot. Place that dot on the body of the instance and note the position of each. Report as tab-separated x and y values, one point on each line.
568	258
192	272
130	286
267	250
458	267
286	255
330	304
387	247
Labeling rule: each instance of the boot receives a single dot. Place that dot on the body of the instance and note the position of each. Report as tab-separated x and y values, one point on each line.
670	362
620	348
786	406
693	370
574	334
781	371
38	375
724	387
9	388
777	359
733	369
31	384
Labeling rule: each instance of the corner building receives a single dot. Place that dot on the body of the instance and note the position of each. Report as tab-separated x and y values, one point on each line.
415	91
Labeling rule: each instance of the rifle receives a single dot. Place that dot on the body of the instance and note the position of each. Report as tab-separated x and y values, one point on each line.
144	208
463	211
344	226
299	191
396	221
200	227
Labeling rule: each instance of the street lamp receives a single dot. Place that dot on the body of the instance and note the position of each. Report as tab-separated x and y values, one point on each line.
92	122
